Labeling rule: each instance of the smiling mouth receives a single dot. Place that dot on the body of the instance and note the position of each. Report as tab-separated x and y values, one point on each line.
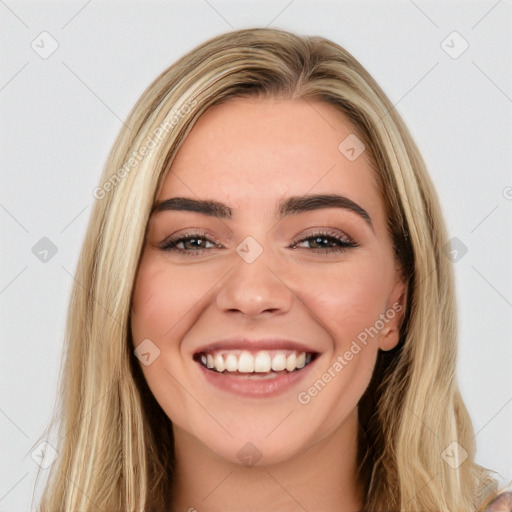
259	364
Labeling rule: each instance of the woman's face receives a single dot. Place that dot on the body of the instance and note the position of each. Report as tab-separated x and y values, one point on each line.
259	307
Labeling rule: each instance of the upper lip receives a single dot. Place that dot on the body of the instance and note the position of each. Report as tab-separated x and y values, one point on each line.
255	344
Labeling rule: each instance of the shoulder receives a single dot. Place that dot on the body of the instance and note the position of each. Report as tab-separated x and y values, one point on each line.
502	503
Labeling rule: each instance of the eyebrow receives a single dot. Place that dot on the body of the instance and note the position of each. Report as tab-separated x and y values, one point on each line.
290	206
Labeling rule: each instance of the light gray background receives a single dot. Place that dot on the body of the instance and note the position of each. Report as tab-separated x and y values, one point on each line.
59	117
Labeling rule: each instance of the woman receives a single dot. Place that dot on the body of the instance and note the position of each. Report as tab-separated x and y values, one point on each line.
264	318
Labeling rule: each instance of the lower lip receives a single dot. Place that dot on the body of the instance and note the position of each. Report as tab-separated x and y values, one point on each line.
254	387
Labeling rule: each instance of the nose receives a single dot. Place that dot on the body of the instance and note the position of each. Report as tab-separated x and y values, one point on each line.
254	288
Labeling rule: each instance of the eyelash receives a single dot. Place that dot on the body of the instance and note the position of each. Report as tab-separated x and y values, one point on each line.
170	244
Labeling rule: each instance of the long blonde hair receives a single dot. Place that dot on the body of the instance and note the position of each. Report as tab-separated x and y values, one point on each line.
115	445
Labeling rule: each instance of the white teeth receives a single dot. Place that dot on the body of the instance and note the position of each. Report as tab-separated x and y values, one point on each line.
262	362
291	362
218	363
245	363
278	362
231	363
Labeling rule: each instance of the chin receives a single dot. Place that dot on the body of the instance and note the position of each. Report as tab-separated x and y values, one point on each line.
253	449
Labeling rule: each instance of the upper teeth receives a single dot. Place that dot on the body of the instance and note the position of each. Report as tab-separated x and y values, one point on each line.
260	362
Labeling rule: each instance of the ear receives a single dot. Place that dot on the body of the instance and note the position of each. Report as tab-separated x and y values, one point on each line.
394	315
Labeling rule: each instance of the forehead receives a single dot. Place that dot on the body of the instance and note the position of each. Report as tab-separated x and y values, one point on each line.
250	152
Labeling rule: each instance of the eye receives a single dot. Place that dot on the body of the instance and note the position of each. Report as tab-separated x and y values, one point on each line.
327	242
191	244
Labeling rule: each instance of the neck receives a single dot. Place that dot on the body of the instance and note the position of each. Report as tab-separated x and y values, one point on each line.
322	478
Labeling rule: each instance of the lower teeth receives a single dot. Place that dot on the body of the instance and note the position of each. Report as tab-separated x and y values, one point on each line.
255	375
259	376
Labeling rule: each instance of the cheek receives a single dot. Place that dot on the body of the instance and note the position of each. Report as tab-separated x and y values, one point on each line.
162	310
161	300
348	304
349	299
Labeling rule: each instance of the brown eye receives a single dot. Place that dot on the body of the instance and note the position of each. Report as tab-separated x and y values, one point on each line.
192	243
325	243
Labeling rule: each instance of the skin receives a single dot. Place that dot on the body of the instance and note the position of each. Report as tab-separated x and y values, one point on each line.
249	154
503	503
